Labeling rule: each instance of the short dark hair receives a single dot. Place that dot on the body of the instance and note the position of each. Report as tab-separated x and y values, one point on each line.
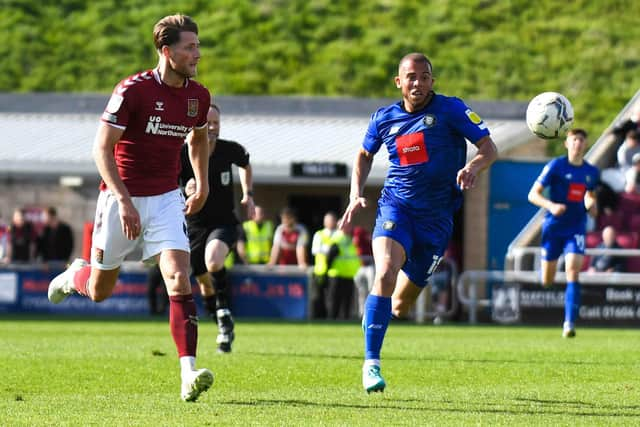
215	107
578	131
167	30
633	134
416	57
52	211
288	211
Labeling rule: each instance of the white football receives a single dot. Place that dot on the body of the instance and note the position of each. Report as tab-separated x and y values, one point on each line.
549	115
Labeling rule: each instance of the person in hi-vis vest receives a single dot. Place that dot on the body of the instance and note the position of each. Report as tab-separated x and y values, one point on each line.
255	246
336	263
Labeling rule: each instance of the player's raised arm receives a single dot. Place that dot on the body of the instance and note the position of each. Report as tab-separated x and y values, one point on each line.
486	155
361	169
103	148
198	143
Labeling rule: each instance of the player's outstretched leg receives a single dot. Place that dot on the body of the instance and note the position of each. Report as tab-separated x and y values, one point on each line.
63	284
226	335
377	313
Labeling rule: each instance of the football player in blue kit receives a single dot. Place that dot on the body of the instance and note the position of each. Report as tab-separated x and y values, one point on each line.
425	137
571	181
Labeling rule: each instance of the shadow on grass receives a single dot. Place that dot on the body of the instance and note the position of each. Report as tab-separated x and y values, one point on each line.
420	358
542	407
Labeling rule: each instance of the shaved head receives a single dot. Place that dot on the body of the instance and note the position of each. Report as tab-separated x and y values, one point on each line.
415	57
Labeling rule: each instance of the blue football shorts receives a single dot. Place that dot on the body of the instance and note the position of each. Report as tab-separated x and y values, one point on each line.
556	242
424	239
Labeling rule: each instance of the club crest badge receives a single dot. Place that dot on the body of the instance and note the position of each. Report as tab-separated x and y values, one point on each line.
225	178
429	120
192	107
98	255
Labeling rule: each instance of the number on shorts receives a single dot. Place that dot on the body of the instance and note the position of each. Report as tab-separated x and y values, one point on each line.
579	240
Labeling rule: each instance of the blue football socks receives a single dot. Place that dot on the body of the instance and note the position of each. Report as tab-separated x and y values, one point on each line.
377	313
571	302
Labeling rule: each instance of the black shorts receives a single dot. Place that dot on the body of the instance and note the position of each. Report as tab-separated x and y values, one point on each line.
198	237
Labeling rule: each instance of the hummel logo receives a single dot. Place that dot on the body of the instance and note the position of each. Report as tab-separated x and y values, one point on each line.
374	326
159	106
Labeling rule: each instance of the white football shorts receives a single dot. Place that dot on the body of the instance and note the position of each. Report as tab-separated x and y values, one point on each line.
163	224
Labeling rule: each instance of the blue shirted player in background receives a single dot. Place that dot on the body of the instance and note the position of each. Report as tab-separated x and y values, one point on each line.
571	181
425	138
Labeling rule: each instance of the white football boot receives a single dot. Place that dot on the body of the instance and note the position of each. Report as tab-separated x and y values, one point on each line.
195	383
372	381
62	285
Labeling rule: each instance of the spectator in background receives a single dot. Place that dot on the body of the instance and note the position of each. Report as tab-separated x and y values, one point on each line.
22	239
336	264
633	122
254	244
4	241
607	263
630	147
55	242
632	176
290	241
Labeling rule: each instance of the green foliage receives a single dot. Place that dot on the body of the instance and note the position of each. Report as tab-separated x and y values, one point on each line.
113	373
482	50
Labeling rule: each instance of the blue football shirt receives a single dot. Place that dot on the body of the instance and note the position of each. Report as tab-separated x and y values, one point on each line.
426	150
568	184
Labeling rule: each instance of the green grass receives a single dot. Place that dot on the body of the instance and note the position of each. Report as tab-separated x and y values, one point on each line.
105	372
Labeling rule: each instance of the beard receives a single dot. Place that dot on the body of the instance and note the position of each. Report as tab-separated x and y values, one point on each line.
183	72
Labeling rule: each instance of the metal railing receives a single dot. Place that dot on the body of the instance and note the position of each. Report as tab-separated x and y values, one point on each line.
469	281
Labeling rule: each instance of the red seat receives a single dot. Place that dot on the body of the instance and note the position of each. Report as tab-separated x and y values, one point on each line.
586	262
628	239
628	204
633	264
615	219
593	239
634	222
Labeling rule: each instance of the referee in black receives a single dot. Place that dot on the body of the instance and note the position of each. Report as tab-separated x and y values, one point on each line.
213	231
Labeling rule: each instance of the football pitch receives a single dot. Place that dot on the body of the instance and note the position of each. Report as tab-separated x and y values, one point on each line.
59	371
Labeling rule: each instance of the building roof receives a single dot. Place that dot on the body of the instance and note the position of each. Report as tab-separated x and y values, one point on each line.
52	134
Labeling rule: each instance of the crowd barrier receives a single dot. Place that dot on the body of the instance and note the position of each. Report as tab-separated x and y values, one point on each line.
257	291
516	296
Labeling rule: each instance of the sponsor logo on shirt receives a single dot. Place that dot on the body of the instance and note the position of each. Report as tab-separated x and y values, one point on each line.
411	149
576	192
156	127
